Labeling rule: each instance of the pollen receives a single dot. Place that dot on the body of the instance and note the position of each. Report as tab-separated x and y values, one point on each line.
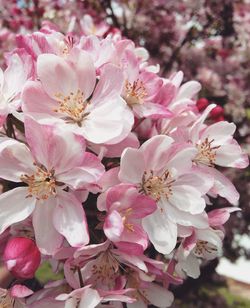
135	92
72	107
6	301
206	153
157	186
125	216
204	246
41	184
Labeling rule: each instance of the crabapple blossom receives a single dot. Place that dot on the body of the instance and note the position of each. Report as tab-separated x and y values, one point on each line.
108	168
62	98
47	168
164	174
125	209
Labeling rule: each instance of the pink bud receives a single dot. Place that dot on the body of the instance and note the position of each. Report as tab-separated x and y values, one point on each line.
22	257
202	104
217	113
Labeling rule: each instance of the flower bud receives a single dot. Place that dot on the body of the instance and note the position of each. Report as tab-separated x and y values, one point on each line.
22	257
217	114
202	104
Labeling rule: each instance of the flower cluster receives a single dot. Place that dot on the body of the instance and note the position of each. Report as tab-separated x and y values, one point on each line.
109	173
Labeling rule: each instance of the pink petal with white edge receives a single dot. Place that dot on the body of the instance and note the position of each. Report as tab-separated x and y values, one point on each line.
121	197
159	296
85	70
15	160
20	291
109	122
203	182
47	237
15	76
151	110
220	216
52	148
187	219
15	207
69	219
143	206
115	150
135	237
132	166
161	231
188	90
182	161
57	75
156	152
220	132
113	226
223	186
36	102
197	126
230	155
89	172
109	85
90	298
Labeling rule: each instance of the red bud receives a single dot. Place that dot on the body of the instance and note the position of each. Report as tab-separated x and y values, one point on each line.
202	104
22	257
217	113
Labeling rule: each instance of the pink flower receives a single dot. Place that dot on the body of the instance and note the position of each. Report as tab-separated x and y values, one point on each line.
125	209
22	257
148	292
11	84
164	174
15	294
63	97
54	162
201	244
216	146
140	88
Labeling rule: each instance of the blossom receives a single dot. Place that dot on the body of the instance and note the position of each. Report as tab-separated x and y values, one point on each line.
125	209
12	81
63	97
165	175
50	165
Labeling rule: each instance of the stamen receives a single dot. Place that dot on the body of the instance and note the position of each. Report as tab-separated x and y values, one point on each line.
157	186
125	215
204	246
6	301
206	153
73	106
135	92
41	184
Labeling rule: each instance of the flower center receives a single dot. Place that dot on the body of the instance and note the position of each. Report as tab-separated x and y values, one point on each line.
72	106
135	92
157	186
41	184
206	153
106	269
202	247
6	301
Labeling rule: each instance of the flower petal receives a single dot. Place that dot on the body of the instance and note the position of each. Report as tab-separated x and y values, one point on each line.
15	160
15	207
132	166
47	237
70	220
161	231
56	75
